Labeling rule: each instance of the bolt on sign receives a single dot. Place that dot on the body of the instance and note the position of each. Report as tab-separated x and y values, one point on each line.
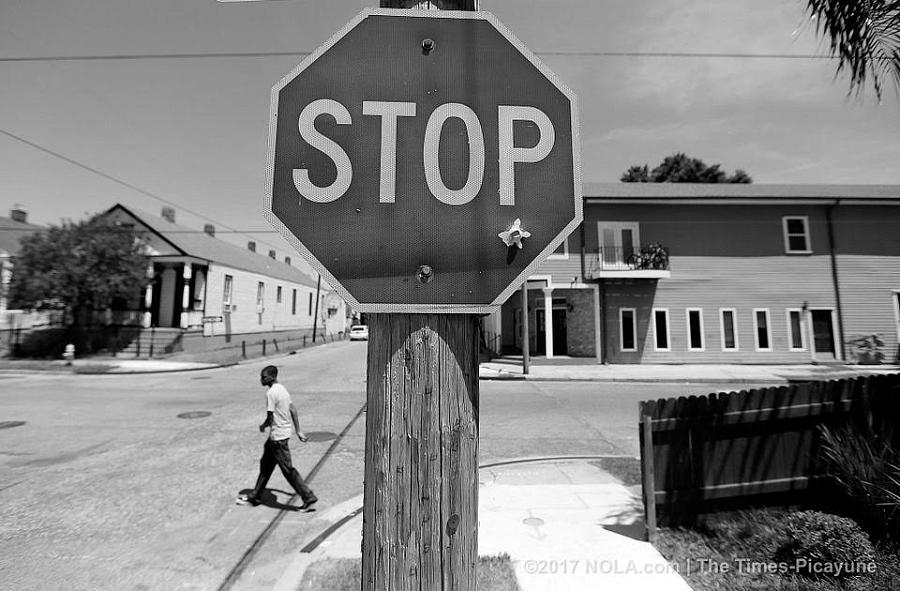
423	161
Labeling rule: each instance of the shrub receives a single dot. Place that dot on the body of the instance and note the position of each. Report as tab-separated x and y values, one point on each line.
867	471
821	545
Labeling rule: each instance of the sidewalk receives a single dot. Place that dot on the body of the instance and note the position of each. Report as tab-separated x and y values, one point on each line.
578	370
565	523
504	368
104	365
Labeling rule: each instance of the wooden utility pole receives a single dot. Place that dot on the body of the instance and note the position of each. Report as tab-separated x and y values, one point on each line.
420	514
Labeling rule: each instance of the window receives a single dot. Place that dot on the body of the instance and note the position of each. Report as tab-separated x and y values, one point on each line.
310	304
661	329
260	296
729	329
562	251
278	295
896	303
226	295
695	329
761	328
294	303
796	234
627	330
795	330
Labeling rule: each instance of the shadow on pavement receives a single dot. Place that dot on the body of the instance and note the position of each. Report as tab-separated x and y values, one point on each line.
269	499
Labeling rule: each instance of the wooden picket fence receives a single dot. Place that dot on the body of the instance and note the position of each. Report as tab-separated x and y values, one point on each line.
702	454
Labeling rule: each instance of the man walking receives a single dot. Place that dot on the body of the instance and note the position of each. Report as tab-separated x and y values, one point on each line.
280	415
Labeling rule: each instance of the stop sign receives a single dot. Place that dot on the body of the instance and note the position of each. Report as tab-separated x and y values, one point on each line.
423	161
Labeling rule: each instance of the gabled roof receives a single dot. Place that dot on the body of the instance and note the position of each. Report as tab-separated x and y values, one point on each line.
199	244
11	232
735	191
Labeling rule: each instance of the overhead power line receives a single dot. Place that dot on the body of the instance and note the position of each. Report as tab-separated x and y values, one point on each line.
126	184
255	54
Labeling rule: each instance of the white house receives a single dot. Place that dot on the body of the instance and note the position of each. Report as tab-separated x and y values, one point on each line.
213	291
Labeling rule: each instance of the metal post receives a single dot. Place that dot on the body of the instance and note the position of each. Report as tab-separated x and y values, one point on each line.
316	312
526	360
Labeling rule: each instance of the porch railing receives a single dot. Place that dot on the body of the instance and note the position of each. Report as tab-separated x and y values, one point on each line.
653	257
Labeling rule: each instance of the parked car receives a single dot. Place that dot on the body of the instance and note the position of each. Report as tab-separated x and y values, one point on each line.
359	332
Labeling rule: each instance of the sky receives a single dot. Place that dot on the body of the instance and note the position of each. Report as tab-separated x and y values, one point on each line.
79	135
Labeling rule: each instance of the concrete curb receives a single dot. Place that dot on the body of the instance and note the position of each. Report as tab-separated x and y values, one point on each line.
640	380
116	370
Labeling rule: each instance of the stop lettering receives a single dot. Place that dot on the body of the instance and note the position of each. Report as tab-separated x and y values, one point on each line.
390	112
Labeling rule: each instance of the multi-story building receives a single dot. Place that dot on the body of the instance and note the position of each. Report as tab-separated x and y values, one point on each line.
720	273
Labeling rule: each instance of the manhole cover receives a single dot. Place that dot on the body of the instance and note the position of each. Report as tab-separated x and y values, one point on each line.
533	521
194	414
321	435
11	424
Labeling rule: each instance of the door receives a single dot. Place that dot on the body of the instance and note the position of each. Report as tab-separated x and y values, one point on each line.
540	346
618	241
823	333
560	338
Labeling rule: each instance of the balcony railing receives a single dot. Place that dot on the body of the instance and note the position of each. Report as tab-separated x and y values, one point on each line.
646	261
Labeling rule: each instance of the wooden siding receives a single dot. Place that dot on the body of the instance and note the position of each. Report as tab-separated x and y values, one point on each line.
244	319
564	271
867	240
743	284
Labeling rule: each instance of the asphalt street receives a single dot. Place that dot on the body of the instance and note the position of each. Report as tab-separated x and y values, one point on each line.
105	486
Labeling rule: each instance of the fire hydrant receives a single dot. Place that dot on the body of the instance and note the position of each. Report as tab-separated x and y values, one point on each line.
69	354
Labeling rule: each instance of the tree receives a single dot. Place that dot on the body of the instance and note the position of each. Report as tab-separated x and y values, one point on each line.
79	267
865	37
679	168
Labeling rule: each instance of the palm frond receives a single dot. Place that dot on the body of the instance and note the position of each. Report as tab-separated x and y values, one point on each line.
864	35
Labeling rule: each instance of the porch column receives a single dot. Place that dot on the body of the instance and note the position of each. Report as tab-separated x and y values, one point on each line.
598	335
548	321
147	316
185	295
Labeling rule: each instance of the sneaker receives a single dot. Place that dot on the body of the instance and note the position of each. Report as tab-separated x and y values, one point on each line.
308	504
247	499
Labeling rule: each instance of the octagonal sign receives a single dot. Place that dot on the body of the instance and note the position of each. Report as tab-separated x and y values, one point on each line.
423	161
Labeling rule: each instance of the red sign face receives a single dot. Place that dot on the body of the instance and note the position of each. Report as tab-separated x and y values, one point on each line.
423	161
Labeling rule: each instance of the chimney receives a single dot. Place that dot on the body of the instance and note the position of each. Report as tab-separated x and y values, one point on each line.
287	260
251	246
18	214
272	254
168	213
210	229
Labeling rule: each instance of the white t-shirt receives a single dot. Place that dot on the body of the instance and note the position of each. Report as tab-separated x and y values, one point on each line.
278	401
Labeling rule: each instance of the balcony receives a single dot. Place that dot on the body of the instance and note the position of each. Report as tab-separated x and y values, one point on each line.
646	262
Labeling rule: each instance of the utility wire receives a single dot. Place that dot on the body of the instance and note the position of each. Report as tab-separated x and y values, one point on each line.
253	54
126	184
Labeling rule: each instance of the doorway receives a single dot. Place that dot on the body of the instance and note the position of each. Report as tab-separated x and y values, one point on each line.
823	333
560	336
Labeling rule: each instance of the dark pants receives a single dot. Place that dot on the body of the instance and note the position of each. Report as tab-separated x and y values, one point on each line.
278	453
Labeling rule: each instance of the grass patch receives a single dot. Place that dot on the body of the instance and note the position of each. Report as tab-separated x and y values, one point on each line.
494	573
737	551
92	368
628	470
